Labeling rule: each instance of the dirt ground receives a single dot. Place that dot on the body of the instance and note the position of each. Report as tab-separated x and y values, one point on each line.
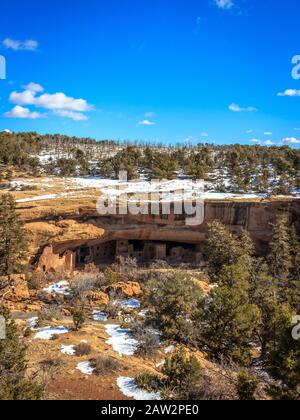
68	382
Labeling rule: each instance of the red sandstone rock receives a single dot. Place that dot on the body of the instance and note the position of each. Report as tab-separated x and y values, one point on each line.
17	291
129	289
97	299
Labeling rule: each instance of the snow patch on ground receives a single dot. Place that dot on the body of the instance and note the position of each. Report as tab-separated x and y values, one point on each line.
39	198
129	388
130	304
49	197
168	190
69	350
61	288
47	333
120	340
224	196
32	322
85	368
100	316
143	313
170	349
160	364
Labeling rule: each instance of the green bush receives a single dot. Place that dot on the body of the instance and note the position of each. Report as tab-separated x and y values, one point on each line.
147	381
78	315
247	386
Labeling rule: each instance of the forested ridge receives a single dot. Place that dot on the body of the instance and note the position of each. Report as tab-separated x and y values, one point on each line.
233	168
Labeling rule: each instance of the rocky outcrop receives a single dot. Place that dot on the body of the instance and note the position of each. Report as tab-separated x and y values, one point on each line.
127	289
16	296
17	290
97	299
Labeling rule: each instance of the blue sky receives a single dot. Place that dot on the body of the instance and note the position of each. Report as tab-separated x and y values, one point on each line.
169	71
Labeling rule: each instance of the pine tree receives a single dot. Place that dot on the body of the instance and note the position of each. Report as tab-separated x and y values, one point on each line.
227	320
13	382
284	364
247	250
12	239
293	293
272	300
279	257
294	242
284	186
173	299
225	249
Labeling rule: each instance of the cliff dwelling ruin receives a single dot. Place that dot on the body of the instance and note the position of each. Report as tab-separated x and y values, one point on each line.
148	239
142	251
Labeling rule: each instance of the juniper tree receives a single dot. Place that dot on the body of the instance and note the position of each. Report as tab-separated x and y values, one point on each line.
13	382
264	293
279	257
284	364
224	249
12	238
284	186
247	250
227	320
183	374
293	292
173	300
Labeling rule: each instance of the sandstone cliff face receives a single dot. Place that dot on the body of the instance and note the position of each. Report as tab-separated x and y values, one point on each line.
88	228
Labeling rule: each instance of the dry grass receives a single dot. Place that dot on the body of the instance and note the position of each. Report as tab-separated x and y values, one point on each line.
83	349
103	365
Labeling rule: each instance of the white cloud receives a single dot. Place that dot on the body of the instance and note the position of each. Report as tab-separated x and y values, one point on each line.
224	4
34	87
237	108
150	114
6	130
50	101
24	113
289	92
257	141
24	98
204	134
290	140
268	133
76	116
146	122
16	45
249	131
60	104
61	101
269	143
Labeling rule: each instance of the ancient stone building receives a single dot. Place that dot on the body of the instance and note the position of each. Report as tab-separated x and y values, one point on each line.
158	237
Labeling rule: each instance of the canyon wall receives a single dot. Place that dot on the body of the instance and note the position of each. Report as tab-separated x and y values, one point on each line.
91	229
